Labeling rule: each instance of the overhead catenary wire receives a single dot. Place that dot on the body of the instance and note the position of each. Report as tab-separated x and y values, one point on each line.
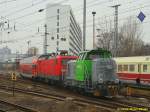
32	35
34	13
140	7
20	10
102	2
81	23
30	6
122	12
3	2
4	11
45	0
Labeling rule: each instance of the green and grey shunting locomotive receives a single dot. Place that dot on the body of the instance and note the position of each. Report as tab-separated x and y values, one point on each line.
93	72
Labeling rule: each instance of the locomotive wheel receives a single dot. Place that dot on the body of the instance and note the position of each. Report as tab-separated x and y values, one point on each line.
51	82
81	91
33	79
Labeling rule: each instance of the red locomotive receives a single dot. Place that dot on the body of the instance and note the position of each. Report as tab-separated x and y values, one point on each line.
48	67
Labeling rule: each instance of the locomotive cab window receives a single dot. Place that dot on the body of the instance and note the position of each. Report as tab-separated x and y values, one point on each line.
43	57
33	66
144	68
64	61
91	57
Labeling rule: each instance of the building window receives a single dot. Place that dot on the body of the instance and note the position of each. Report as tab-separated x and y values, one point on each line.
63	39
57	36
52	38
57	49
57	10
119	68
57	17
57	30
144	68
131	68
57	23
125	68
57	43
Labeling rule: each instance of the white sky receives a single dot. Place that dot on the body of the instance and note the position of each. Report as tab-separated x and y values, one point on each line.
23	14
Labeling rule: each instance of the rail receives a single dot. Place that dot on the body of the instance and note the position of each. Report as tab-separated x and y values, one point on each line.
26	109
110	105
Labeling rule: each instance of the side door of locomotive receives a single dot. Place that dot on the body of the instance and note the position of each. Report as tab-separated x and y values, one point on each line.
40	66
52	66
34	69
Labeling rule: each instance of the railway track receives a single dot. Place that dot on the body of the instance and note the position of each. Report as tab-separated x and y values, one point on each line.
123	104
143	96
80	102
107	104
6	106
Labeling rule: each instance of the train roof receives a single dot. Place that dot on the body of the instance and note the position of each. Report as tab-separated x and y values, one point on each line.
96	50
29	59
133	59
58	56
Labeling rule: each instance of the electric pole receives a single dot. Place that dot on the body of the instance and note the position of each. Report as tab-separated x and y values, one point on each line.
94	30
28	42
45	40
116	29
84	26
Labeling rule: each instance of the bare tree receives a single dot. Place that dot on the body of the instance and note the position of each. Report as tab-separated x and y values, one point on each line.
130	34
105	35
145	49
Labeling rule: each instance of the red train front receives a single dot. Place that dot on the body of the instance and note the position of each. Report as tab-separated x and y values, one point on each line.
49	67
27	66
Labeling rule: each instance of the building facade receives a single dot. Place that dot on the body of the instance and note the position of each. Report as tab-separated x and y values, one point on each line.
64	33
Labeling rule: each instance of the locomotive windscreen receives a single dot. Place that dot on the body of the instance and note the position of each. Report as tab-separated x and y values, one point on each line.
65	61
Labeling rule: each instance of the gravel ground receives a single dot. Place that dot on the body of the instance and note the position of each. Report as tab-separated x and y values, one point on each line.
46	105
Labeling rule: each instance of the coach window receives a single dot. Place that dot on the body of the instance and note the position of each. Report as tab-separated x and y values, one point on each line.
125	68
131	68
119	68
144	68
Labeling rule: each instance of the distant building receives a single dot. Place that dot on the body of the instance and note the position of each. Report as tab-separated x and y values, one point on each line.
7	56
5	50
32	51
64	33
